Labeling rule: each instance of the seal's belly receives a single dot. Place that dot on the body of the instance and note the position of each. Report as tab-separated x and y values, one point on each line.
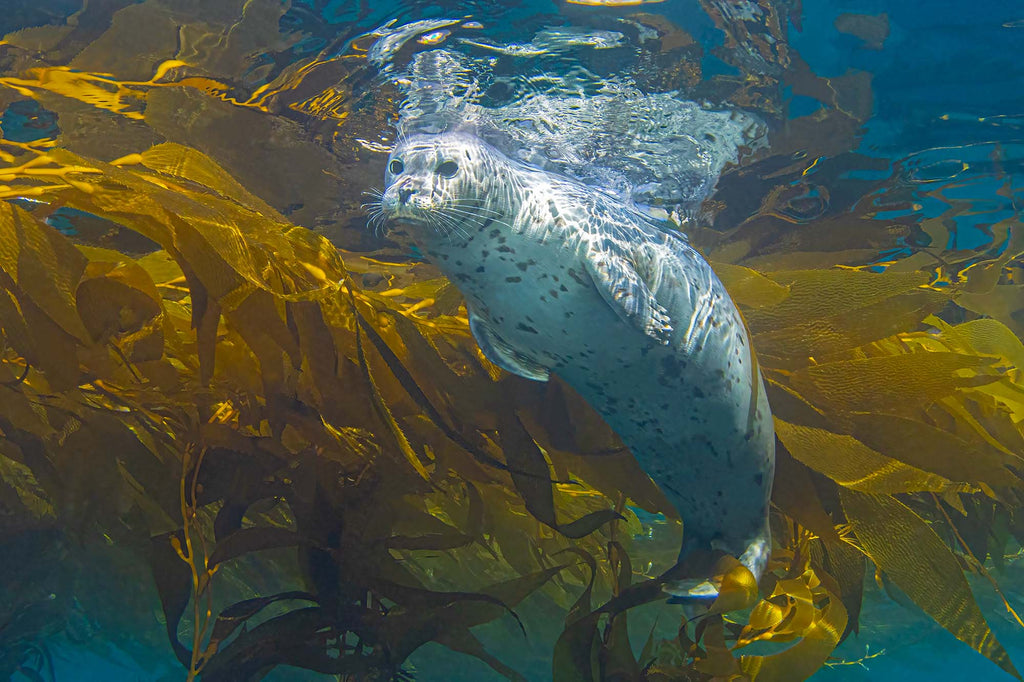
686	416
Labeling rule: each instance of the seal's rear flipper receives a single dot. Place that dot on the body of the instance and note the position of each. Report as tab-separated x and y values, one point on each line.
697	591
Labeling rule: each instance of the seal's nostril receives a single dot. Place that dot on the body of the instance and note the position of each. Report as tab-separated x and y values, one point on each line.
404	194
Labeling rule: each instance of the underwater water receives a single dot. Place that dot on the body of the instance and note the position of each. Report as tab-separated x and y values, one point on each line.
246	431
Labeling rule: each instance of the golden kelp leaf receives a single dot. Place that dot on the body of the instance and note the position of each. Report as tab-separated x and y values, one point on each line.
794	493
97	90
718	659
845	564
809	260
161	267
122	301
43	264
803	659
737	587
188	164
15	330
206	231
932	449
749	288
1003	302
986	336
54	350
822	293
23	482
851	328
982	277
401	440
850	463
910	381
903	545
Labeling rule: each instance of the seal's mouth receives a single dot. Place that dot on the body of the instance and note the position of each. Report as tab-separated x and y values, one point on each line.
436	212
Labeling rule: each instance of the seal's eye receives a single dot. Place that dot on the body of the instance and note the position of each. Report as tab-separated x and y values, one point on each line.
448	169
395	167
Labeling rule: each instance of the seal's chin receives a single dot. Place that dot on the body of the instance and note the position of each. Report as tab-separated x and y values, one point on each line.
407	215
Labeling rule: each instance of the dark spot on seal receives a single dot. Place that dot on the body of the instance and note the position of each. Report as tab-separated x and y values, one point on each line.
526	328
522	266
506	249
553	293
480	269
513	279
495	233
485	253
672	367
579	280
759	479
697	393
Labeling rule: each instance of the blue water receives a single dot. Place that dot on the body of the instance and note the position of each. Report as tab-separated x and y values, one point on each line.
948	90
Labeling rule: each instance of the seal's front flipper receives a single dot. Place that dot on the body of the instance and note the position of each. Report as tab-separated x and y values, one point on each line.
627	293
500	353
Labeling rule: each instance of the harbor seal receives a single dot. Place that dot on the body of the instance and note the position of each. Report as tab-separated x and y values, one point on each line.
560	277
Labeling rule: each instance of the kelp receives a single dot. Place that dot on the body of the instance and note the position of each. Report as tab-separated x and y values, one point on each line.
318	467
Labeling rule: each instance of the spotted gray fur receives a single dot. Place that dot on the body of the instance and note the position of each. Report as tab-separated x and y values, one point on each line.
562	278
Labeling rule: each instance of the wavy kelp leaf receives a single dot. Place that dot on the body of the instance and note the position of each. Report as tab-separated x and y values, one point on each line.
236	615
817	294
749	288
717	660
186	163
819	639
439	612
1003	303
912	381
204	230
254	539
577	651
932	449
915	558
984	336
846	565
795	494
120	302
983	276
851	328
42	265
616	658
852	464
386	416
19	478
54	350
532	478
15	329
466	643
173	585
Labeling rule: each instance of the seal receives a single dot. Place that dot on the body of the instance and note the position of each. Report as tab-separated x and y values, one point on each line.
560	277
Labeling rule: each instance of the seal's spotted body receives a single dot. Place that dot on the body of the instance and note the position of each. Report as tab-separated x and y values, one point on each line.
559	277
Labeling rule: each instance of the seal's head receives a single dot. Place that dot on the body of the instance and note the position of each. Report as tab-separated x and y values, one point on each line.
438	180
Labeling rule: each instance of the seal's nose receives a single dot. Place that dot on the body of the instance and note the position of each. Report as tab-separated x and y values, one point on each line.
403	195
